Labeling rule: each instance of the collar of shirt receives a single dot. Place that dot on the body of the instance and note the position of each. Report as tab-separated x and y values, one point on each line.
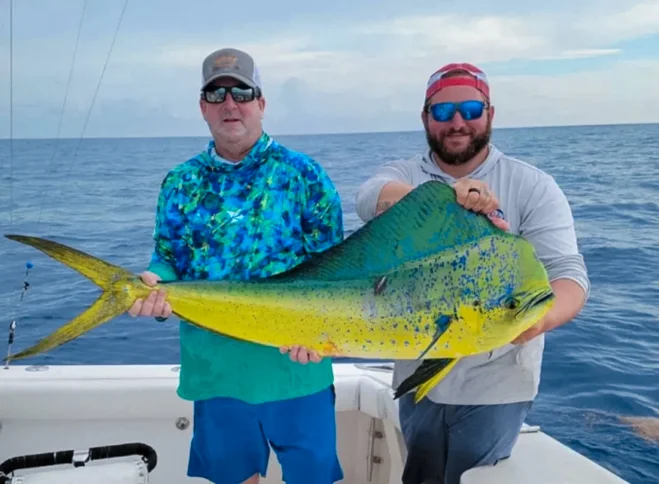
257	155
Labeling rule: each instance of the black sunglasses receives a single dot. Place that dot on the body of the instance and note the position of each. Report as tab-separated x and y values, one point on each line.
239	94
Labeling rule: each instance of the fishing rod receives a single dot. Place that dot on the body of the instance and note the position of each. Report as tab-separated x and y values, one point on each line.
12	325
26	285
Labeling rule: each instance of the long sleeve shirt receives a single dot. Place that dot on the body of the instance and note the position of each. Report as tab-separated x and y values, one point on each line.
537	209
237	221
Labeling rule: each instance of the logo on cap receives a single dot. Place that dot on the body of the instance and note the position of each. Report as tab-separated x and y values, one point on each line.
225	62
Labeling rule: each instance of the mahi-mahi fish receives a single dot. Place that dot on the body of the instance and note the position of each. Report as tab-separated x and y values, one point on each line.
427	279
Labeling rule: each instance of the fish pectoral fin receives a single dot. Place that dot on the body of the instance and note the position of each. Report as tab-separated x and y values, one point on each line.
425	377
442	324
428	385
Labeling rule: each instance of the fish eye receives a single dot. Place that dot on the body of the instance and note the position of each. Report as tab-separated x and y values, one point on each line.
511	303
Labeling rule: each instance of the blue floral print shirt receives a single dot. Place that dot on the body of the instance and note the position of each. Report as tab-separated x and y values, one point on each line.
236	221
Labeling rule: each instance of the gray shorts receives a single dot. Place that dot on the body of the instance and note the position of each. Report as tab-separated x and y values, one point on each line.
443	441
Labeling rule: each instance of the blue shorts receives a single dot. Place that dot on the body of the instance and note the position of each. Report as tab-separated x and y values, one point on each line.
231	439
443	441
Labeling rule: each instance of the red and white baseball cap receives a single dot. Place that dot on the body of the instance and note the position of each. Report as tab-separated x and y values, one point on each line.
439	81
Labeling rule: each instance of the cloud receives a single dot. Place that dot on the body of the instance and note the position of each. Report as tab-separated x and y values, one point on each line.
339	69
496	38
581	54
579	98
478	39
411	47
635	21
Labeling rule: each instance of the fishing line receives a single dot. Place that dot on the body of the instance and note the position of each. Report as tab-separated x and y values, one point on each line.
28	264
66	96
26	285
11	112
98	86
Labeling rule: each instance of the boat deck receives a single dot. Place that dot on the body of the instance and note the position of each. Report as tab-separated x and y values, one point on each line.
47	409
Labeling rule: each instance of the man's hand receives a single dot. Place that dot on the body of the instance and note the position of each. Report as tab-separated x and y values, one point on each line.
155	305
300	354
570	299
530	333
475	195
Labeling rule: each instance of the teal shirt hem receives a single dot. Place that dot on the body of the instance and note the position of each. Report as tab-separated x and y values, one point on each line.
311	378
163	270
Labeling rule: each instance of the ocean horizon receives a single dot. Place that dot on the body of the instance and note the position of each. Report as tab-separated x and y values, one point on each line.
351	133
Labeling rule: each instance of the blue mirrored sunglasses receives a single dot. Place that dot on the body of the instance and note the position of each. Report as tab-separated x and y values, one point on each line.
469	110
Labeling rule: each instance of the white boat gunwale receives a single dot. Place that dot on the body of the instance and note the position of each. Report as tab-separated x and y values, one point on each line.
60	407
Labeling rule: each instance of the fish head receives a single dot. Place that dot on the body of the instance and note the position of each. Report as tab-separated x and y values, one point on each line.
523	309
514	293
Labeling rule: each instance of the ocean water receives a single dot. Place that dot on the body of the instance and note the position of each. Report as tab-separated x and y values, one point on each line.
99	196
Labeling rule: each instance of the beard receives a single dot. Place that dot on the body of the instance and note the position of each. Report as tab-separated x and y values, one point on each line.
478	142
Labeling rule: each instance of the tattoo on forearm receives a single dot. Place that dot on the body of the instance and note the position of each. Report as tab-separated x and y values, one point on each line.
382	206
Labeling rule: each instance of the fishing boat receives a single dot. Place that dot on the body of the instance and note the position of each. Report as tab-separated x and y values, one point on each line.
125	424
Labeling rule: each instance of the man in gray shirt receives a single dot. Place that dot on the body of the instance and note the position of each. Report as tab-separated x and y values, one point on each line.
473	416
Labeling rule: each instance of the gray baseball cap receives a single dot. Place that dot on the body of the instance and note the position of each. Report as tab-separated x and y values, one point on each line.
230	63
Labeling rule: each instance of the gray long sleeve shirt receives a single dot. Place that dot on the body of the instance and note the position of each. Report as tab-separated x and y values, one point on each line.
537	209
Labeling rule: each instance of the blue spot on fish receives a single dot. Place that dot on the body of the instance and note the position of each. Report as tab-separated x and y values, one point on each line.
443	323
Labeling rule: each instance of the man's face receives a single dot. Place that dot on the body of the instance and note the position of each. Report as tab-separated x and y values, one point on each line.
457	140
231	121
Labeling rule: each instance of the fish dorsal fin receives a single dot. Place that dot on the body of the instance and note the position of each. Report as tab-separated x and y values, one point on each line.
427	220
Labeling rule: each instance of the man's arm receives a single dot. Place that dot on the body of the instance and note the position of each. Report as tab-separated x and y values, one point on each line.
322	214
390	183
161	267
391	193
394	180
162	258
547	223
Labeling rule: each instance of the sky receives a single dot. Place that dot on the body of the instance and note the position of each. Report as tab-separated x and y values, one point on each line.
327	67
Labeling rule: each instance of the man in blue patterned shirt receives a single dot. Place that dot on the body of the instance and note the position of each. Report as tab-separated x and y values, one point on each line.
245	208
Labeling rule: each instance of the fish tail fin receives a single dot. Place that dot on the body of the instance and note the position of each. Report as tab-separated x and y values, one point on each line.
102	273
425	377
118	294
